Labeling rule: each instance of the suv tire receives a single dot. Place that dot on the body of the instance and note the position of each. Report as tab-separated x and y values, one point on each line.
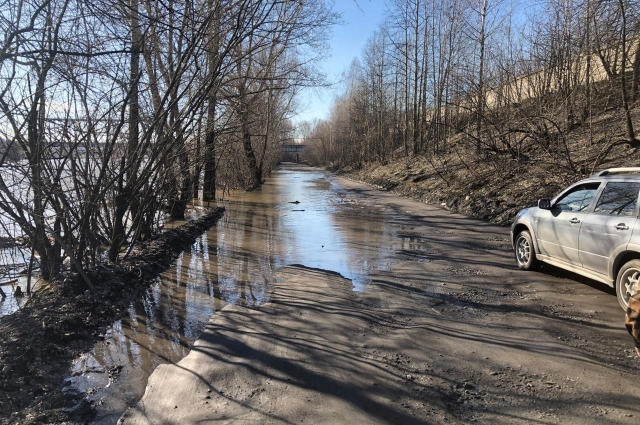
525	253
627	282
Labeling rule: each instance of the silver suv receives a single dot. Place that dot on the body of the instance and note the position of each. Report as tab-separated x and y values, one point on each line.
591	228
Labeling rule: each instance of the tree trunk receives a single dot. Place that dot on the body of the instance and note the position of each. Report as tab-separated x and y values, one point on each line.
406	86
480	111
623	79
118	233
255	174
209	183
636	74
416	70
198	163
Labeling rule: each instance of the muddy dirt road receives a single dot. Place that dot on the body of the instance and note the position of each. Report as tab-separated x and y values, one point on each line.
430	323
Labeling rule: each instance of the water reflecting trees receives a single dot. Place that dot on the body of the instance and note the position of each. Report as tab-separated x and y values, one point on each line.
111	111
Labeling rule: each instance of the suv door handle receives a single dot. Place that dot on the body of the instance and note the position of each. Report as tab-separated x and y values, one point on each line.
574	221
622	226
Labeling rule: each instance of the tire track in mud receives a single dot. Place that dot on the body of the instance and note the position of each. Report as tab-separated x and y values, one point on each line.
497	295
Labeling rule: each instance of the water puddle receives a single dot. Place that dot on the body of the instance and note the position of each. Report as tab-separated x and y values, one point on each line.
298	217
163	325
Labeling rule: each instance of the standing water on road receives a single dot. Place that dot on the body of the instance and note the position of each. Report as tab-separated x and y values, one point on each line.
299	216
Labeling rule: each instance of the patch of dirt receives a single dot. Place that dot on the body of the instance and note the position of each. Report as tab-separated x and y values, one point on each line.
64	319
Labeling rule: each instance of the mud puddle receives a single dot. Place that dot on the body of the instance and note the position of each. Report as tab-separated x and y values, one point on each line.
299	216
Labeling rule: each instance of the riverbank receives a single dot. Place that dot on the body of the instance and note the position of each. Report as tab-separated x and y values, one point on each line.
63	319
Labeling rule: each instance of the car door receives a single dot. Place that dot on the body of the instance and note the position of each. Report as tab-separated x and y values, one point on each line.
558	229
609	225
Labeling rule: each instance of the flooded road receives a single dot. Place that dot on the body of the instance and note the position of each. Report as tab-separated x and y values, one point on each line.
384	310
299	216
324	300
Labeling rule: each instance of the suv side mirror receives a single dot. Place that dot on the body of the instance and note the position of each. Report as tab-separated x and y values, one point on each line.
544	204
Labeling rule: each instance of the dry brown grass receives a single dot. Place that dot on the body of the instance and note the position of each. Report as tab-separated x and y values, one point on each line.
494	186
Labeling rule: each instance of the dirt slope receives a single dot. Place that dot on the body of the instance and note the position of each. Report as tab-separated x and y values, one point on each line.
494	186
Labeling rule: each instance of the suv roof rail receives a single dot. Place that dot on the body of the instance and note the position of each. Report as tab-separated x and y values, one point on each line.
617	171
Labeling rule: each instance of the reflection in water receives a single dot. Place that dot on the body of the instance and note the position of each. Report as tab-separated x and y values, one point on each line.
13	266
10	303
234	263
303	218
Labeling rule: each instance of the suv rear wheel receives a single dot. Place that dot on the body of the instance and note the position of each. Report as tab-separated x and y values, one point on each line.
525	254
627	282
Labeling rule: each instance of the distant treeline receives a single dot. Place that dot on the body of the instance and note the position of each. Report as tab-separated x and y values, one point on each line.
494	74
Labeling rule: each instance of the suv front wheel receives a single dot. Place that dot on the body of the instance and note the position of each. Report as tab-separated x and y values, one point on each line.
525	254
627	282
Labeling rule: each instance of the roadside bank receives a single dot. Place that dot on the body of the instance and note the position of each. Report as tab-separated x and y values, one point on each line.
63	319
483	191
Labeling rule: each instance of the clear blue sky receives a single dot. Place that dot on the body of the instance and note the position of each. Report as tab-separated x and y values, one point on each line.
360	18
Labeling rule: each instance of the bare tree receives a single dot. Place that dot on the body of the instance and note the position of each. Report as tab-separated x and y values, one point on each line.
112	108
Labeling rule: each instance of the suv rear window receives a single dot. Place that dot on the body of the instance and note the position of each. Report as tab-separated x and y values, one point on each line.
618	198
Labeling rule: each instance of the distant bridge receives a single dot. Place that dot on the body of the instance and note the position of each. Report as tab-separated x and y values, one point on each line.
292	151
293	148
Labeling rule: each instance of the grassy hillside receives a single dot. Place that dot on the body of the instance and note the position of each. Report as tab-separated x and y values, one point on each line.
496	183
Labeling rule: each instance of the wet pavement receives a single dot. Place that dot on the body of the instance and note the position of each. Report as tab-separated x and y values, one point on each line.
300	216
